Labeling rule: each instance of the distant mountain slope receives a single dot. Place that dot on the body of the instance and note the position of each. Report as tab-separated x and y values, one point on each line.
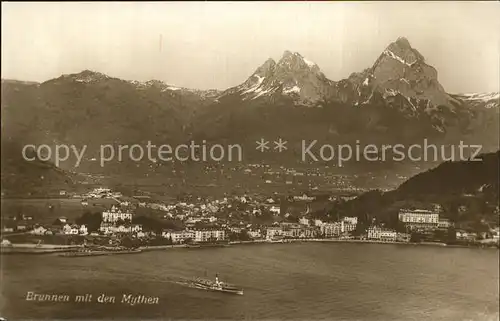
92	108
469	177
473	184
20	177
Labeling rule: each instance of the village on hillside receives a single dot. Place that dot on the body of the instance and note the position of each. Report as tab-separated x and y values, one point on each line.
139	221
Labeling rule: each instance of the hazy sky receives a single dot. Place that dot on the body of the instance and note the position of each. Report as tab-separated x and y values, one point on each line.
218	45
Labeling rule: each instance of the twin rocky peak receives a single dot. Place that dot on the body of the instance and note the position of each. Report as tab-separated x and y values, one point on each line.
399	71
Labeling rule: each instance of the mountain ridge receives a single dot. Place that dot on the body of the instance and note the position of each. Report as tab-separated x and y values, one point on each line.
290	98
398	58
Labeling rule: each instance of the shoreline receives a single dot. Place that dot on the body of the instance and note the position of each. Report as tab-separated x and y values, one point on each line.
161	247
234	243
52	248
440	244
26	248
333	241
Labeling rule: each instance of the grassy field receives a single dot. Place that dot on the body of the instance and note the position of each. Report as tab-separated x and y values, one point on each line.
45	211
27	240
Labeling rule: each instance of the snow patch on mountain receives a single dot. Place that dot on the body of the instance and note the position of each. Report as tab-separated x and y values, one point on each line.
261	79
438	128
309	62
255	87
260	92
87	77
391	92
210	94
485	100
482	96
294	89
368	99
396	57
411	104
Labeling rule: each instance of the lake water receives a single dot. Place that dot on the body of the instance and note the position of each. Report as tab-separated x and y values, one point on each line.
302	281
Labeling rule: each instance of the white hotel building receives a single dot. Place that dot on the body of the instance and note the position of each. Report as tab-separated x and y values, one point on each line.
419	219
381	234
195	235
114	215
179	236
209	235
332	229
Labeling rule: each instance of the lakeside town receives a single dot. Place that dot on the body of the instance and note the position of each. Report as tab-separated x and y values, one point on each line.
140	223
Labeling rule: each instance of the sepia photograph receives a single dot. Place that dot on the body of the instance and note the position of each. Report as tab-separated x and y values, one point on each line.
272	160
